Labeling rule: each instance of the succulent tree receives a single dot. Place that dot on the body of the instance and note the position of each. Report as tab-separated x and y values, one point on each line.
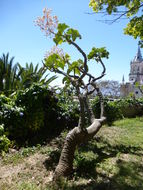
75	73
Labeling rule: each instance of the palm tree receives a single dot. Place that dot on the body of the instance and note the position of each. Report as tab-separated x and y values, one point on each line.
8	74
31	74
14	77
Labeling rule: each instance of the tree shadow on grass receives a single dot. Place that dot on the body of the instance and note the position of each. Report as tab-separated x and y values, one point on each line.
101	146
52	160
129	174
129	177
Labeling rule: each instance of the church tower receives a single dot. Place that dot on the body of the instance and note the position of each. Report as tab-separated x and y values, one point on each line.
136	75
136	68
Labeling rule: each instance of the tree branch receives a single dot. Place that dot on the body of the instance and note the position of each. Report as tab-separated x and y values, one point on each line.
100	98
103	72
119	14
84	56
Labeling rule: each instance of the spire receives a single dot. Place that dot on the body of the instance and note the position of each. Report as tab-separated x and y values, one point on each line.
123	80
138	56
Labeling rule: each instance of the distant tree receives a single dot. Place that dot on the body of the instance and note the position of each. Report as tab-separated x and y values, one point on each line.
110	88
74	73
119	9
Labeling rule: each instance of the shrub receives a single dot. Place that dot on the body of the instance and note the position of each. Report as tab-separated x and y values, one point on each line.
40	112
117	109
131	107
4	141
30	114
11	117
112	110
69	109
34	114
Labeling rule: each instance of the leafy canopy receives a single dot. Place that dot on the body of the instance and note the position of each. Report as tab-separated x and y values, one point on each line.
58	61
65	33
74	72
132	9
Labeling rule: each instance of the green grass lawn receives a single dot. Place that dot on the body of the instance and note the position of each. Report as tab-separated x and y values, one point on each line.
112	161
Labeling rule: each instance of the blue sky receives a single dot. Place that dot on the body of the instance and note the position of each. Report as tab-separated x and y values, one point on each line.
23	40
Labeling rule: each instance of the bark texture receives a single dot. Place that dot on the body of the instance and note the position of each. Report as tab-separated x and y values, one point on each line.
73	139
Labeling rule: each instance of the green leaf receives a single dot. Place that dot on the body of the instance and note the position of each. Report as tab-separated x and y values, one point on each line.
67	57
59	36
77	72
73	66
58	39
61	64
64	79
62	27
74	34
97	53
54	61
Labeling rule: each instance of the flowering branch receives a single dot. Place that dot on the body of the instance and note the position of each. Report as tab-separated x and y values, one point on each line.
47	22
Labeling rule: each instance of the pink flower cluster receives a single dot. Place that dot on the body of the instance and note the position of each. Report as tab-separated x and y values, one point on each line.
55	50
47	22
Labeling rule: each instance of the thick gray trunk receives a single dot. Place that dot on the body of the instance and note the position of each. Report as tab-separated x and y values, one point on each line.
73	139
